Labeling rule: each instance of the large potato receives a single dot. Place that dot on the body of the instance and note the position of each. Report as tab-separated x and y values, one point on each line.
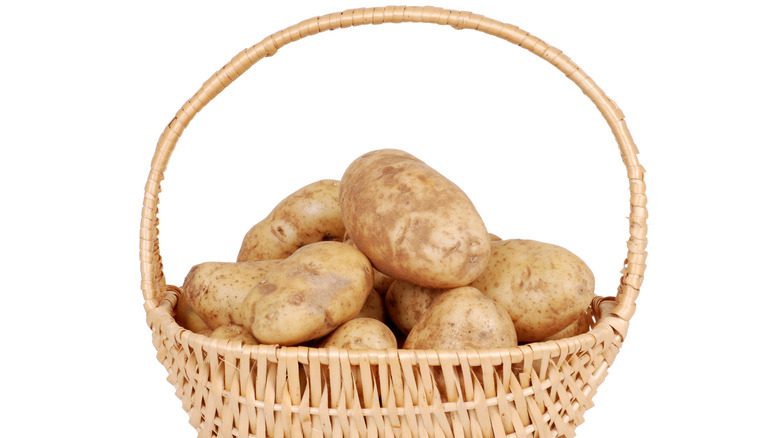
309	215
407	302
544	287
463	318
309	294
412	222
215	290
361	334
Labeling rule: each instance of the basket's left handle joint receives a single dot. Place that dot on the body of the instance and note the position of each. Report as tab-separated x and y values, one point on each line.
165	306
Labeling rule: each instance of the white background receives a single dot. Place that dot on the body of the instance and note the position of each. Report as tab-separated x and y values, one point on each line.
89	86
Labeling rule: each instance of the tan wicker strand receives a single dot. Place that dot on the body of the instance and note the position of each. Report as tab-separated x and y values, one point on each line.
540	389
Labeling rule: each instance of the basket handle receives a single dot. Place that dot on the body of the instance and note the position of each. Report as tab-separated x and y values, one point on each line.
153	279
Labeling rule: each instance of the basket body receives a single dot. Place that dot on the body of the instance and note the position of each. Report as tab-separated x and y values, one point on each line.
534	390
537	390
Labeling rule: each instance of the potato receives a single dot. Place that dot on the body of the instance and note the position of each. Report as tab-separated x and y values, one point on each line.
187	318
544	287
381	281
412	222
406	302
579	326
215	290
374	307
361	334
463	318
234	332
309	215
309	294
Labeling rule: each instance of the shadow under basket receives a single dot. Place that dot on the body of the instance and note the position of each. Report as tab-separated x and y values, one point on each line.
539	389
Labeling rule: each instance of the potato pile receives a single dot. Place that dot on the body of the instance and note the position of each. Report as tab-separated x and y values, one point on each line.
393	255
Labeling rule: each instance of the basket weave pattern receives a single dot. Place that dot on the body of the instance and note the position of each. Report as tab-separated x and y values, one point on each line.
538	390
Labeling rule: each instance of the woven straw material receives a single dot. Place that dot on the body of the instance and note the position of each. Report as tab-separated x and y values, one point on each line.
537	390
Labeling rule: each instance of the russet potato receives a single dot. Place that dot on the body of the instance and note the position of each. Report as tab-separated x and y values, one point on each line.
579	326
407	302
381	281
462	318
187	318
412	222
544	287
309	215
374	307
234	332
361	334
309	294
215	290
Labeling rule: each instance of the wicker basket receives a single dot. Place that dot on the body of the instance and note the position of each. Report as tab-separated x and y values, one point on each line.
540	389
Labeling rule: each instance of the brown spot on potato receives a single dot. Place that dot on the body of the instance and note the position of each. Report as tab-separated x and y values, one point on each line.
297	298
453	249
267	288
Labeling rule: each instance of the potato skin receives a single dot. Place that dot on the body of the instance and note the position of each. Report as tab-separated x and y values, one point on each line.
407	302
234	332
309	294
361	334
381	281
187	318
544	287
311	214
412	222
463	318
374	307
215	290
579	326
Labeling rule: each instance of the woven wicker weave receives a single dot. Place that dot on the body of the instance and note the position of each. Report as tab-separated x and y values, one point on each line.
540	389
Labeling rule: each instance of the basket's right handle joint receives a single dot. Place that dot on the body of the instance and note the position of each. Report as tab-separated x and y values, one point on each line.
618	324
606	308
